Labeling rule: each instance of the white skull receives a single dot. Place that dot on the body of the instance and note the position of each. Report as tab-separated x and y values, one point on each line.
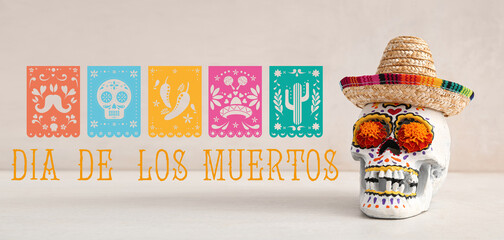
54	127
114	96
397	179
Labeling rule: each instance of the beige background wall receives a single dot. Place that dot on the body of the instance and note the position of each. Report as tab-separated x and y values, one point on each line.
346	37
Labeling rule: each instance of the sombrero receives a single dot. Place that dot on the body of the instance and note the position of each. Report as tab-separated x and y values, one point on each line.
406	74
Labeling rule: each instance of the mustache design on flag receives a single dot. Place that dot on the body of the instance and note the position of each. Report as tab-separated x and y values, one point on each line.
50	101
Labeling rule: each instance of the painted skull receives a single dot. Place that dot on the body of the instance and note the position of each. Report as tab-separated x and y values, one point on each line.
404	153
114	96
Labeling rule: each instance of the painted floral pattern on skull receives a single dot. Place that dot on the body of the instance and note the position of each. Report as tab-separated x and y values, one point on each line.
404	154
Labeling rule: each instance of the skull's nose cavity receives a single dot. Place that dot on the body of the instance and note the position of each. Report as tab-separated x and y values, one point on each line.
390	145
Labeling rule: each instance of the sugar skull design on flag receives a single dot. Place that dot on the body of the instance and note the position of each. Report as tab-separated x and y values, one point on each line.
235	101
174	101
296	101
53	101
113	101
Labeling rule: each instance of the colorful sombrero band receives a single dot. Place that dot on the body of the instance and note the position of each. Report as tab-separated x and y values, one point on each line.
390	78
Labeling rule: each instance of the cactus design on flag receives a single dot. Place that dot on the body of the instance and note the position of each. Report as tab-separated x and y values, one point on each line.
296	101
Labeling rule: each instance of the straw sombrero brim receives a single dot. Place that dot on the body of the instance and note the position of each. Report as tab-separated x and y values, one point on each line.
435	93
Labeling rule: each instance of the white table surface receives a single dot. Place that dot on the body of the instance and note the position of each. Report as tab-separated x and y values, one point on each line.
469	206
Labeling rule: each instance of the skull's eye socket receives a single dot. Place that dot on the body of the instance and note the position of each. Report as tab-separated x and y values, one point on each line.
371	130
413	133
122	97
106	97
371	134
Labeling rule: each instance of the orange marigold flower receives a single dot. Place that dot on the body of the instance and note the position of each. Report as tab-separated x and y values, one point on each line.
414	136
370	134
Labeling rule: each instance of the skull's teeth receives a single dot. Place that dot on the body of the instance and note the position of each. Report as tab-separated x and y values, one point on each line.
401	188
388	186
414	178
393	175
388	174
393	181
